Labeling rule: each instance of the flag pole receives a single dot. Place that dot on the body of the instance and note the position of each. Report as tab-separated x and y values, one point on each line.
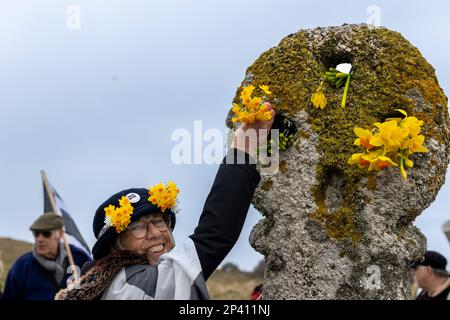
57	211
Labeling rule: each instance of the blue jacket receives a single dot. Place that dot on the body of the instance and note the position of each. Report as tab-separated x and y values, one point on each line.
28	280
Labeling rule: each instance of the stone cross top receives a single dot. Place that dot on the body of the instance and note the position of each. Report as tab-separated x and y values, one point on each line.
331	230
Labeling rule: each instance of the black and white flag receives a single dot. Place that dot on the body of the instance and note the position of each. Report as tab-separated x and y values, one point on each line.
73	234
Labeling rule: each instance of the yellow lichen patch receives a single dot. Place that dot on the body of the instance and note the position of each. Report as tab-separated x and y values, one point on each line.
267	185
432	92
338	225
372	182
283	166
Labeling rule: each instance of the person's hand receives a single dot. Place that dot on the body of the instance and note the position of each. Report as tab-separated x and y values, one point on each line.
71	284
248	141
62	294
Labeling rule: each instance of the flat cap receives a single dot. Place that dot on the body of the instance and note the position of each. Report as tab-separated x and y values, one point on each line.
47	221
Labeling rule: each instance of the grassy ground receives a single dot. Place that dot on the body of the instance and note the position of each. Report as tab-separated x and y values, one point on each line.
10	250
234	285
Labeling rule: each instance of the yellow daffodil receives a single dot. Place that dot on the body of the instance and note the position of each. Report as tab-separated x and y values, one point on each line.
391	135
119	217
383	162
265	89
266	116
124	202
247	91
413	124
163	196
357	159
318	99
251	108
364	137
375	140
415	144
254	103
246	100
397	139
377	160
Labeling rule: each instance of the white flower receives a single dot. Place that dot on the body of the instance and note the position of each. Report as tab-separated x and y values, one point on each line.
344	68
176	208
108	221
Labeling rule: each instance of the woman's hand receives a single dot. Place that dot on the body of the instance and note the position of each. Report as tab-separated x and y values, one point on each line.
248	135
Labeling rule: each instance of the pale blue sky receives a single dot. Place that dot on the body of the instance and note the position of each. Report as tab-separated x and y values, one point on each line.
96	107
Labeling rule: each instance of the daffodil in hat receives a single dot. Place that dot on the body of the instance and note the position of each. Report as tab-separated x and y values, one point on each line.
138	219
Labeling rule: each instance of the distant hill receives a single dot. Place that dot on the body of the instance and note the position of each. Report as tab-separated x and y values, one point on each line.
10	250
230	283
226	283
234	285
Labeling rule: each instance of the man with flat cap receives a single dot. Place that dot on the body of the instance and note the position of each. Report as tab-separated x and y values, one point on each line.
432	277
40	274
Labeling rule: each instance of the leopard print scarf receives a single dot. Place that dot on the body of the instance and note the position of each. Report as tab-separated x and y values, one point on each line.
97	279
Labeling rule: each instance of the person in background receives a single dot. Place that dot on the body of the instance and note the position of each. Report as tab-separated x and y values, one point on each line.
432	277
257	293
1	284
40	274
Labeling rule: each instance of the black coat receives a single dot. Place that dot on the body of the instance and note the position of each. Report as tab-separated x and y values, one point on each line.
224	212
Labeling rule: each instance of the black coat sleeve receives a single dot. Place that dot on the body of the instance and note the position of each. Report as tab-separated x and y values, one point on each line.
225	210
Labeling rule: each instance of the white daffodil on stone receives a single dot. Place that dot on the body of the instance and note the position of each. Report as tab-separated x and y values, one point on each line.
344	68
338	77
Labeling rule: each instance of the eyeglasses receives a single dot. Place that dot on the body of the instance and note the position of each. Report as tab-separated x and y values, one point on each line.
139	229
46	234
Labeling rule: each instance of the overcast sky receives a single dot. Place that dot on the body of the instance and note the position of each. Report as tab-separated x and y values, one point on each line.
95	106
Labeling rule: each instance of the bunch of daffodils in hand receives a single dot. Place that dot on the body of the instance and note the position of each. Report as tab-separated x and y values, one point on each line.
389	144
251	109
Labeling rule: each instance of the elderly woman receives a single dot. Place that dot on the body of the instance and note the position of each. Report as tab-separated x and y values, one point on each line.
135	254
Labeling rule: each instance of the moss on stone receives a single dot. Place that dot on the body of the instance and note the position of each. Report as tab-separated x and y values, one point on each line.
304	134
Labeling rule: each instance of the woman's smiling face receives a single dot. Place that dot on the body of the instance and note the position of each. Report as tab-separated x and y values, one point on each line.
150	236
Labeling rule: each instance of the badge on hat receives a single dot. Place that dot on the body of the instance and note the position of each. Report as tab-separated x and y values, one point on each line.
133	197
